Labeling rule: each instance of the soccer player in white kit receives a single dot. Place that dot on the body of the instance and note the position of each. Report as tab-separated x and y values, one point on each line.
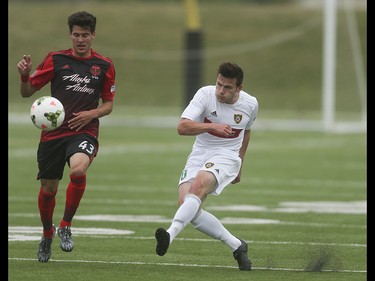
221	117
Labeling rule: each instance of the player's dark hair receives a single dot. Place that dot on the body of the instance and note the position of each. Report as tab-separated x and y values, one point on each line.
82	19
231	70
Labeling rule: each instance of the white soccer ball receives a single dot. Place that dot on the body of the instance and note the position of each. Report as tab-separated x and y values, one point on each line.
47	113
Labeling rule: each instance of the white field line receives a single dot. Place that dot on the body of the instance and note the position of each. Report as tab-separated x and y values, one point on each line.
326	207
180	265
27	233
32	233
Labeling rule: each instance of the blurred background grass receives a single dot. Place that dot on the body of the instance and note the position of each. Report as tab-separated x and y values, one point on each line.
278	44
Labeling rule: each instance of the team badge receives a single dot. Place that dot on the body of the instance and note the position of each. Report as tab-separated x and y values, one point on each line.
208	164
237	118
95	70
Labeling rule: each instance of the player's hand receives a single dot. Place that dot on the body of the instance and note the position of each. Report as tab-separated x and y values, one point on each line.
24	65
223	129
80	120
236	180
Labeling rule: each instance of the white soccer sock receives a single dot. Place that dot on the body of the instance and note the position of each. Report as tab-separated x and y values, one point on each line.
184	215
210	225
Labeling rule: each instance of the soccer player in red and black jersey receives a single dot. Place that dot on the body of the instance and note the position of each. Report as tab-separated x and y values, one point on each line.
84	82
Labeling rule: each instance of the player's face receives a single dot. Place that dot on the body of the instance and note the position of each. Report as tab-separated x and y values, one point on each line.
226	89
81	39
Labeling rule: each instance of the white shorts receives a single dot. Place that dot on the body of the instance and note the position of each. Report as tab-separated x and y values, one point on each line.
224	164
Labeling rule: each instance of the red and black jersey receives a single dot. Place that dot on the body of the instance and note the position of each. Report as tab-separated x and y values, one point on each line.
79	83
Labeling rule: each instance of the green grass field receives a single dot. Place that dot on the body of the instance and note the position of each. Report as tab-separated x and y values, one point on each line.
301	205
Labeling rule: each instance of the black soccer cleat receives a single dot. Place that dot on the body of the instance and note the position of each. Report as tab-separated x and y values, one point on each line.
162	239
44	247
241	256
66	243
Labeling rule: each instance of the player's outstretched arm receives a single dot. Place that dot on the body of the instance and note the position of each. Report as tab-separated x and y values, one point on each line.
24	68
187	127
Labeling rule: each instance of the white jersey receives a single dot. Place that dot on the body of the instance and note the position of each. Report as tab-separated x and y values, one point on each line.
204	107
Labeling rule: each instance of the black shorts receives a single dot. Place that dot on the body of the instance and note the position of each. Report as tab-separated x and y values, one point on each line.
53	155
